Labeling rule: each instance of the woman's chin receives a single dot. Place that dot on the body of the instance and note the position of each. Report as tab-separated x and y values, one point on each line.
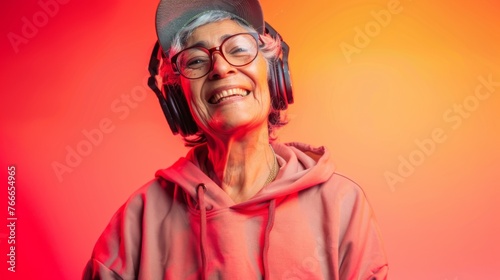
237	125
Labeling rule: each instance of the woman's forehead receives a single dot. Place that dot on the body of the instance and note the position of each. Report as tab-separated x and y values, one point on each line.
213	33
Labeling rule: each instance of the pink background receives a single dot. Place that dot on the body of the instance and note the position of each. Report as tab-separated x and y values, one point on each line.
393	88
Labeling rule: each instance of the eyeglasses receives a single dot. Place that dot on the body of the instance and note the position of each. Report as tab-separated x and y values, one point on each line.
195	62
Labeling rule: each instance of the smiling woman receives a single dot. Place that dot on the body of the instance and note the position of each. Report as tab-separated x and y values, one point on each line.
233	206
247	112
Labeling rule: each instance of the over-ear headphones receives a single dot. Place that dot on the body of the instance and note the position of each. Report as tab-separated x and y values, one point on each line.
280	82
176	109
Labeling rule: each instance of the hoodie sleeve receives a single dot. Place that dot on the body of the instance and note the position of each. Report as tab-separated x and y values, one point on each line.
361	252
115	255
95	270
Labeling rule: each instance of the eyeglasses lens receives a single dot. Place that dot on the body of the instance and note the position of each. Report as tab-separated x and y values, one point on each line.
237	50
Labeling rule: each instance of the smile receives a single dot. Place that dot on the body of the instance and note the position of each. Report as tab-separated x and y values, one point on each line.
225	94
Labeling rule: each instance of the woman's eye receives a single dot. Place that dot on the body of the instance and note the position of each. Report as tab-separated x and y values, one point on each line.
196	62
238	50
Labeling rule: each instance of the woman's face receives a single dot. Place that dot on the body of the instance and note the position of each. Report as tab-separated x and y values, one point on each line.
246	104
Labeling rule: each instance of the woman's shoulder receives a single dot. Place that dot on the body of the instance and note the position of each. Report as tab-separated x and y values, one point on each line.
156	193
342	183
157	190
344	194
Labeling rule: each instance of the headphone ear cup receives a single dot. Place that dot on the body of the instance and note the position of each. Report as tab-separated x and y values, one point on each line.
280	81
287	79
280	85
272	85
169	113
276	87
177	111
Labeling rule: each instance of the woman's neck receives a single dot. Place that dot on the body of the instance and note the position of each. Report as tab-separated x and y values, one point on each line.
241	168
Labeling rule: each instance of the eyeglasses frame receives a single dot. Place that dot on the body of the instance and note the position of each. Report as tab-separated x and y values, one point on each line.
211	52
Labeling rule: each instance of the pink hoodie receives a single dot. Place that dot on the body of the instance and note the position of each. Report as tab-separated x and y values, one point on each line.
310	223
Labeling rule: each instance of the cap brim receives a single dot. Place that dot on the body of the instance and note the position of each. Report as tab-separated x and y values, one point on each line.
172	15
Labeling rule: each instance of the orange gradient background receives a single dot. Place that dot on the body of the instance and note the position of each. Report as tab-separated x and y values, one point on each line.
376	108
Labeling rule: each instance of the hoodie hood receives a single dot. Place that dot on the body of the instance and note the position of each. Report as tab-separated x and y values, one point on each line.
301	166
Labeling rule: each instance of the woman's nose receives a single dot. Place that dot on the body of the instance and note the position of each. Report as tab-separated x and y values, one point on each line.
220	67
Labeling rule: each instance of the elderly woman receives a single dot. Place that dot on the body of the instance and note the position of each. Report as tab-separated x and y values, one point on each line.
239	205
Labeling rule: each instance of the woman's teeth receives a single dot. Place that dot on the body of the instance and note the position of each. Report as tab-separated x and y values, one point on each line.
217	98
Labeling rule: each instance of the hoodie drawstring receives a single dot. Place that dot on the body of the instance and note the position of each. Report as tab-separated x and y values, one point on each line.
203	228
269	227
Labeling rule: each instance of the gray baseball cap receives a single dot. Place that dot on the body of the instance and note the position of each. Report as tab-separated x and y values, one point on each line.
172	15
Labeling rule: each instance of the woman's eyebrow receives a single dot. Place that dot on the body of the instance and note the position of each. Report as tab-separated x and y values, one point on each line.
204	44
